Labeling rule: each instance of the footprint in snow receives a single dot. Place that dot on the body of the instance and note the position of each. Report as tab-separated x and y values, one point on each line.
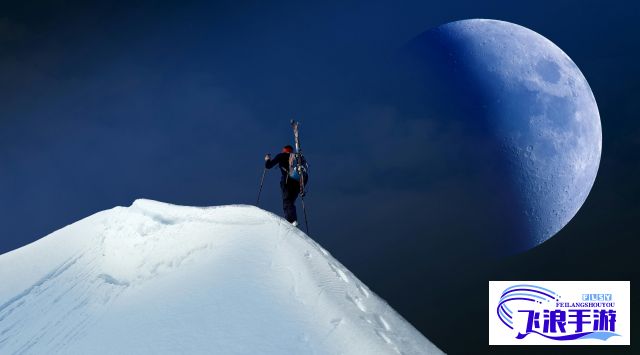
363	290
358	302
384	337
383	322
339	272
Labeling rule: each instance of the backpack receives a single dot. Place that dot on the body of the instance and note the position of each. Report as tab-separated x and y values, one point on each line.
295	169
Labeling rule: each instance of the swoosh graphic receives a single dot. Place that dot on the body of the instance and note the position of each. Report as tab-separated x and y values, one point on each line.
585	335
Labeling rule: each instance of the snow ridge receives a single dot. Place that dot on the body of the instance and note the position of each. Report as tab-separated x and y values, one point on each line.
160	278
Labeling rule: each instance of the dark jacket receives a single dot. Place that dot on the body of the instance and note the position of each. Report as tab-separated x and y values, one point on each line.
282	160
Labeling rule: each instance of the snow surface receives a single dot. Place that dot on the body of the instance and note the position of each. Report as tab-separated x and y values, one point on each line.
157	278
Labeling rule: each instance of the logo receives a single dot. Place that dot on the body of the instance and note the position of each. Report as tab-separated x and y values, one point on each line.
559	312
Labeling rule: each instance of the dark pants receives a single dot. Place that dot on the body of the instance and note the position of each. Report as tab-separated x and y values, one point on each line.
290	191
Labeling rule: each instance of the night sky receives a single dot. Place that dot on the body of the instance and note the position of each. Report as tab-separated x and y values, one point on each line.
106	103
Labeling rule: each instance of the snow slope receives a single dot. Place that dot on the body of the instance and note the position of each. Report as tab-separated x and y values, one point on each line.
157	278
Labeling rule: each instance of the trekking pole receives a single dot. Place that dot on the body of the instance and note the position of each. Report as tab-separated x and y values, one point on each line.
264	172
302	193
304	210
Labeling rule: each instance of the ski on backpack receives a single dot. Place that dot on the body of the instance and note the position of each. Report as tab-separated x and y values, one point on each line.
300	169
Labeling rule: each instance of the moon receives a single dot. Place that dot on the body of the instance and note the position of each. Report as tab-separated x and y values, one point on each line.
526	119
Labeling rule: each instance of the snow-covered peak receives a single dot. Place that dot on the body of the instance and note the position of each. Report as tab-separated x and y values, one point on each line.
158	278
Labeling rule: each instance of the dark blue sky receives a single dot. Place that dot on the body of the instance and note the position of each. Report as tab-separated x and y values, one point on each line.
103	104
